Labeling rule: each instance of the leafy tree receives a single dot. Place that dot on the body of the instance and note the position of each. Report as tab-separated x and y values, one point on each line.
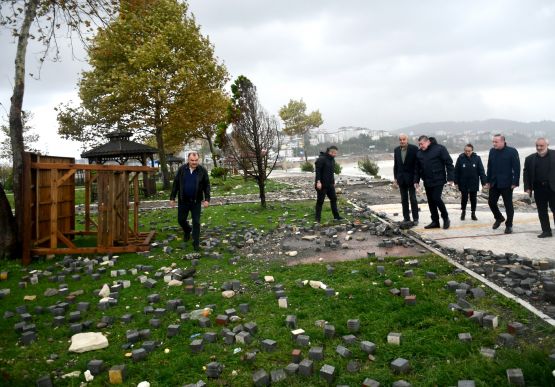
47	17
154	74
368	166
298	122
29	137
254	142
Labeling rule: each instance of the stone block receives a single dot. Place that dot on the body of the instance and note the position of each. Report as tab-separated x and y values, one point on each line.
466	383
291	321
139	354
278	375
410	300
329	331
368	347
349	339
95	367
44	381
353	325
506	340
214	370
126	318
490	321
303	340
243	338
515	377
261	378
306	367
487	352
405	292
244	308
149	345
353	366
401	383
83	306
395	292
296	356
292	368
196	346
116	374
268	345
394	338
132	336
155	323
327	372
222	319
316	353
477	293
210	337
144	334
477	317
515	328
282	302
400	366
76	328
342	351
465	337
204	322
370	383
28	337
251	327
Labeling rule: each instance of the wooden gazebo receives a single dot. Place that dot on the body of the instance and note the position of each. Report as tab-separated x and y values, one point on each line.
48	212
122	150
174	162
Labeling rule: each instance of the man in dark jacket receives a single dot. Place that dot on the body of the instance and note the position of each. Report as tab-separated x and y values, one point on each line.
469	171
539	177
404	162
503	177
325	182
192	188
435	167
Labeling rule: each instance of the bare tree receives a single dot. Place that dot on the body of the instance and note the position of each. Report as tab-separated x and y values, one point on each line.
47	17
255	140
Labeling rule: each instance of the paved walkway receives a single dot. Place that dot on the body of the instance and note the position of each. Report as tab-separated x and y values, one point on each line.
479	234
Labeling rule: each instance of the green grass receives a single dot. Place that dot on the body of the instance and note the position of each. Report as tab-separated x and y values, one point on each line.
429	329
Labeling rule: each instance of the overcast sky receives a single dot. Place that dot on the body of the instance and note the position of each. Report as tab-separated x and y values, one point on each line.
376	64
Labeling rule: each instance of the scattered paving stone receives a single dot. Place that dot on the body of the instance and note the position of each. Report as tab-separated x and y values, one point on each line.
515	377
400	366
243	338
342	351
303	340
196	346
490	321
44	381
306	367
261	378
465	337
28	338
329	331
316	353
349	339
515	328
214	370
327	372
88	341
353	325
353	366
370	383
296	356
394	338
278	375
466	383
410	300
269	345
117	374
368	347
139	354
506	340
95	367
292	368
401	383
487	352
251	327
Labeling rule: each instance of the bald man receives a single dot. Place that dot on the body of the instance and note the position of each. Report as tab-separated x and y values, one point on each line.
404	162
539	178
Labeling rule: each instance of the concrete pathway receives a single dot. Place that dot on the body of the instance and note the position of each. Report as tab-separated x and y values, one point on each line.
479	234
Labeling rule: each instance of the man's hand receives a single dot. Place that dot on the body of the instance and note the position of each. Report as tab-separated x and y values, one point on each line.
172	203
513	186
395	184
318	185
205	203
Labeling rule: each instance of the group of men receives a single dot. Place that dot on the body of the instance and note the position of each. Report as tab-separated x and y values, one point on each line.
431	163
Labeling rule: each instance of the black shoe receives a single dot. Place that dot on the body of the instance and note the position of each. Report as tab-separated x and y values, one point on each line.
497	223
463	214
473	216
432	225
508	230
338	219
446	224
196	247
545	234
415	222
187	236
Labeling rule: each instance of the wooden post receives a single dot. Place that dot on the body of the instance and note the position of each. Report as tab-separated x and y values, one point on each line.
26	233
88	183
53	209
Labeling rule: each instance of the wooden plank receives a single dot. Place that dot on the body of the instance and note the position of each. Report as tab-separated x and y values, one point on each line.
92	167
90	250
26	236
136	203
88	183
53	210
65	240
62	179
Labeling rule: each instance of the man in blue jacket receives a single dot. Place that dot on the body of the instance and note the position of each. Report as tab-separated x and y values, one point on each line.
434	166
191	186
404	161
325	182
503	177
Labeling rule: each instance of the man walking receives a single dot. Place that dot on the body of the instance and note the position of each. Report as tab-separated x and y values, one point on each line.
539	177
503	177
325	182
435	167
192	188
404	163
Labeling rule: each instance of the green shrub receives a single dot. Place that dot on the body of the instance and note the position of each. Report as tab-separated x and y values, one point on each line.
307	166
370	167
218	172
337	168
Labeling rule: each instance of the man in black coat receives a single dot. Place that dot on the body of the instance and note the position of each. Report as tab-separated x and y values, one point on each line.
404	163
325	182
539	177
503	177
192	188
469	171
435	167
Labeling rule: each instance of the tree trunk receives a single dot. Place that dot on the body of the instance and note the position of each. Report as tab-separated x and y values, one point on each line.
162	157
262	190
8	234
212	150
16	123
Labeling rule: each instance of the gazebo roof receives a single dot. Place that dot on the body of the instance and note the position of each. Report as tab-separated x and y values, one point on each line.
170	158
119	145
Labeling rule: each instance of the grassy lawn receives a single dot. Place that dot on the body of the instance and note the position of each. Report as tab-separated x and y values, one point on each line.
429	329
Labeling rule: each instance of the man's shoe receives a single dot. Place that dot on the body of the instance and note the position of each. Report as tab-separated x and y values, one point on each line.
196	247
545	234
338	219
415	222
508	230
187	236
463	214
446	224
432	225
497	223
473	215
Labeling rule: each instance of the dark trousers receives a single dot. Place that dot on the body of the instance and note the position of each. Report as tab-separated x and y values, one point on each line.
473	199
544	196
408	192
435	203
320	196
183	210
507	195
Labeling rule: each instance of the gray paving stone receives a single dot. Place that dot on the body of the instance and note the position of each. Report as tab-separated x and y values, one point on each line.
95	367
353	366
466	383
465	337
292	368
349	339
44	381
306	367
132	336
196	346
353	325
370	383
28	337
139	354
401	383
210	337
291	321
269	345
329	331
490	321
204	322
515	377
278	375
261	378
251	327
327	372
342	351
506	340
149	345
487	352
229	337
303	340
400	366
368	347
243	338
316	353
214	370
